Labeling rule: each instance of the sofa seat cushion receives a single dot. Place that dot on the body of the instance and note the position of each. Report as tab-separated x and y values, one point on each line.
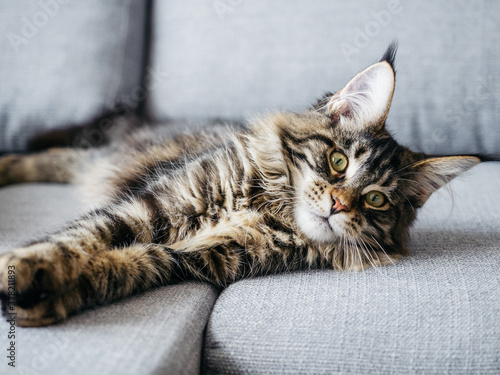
159	331
435	312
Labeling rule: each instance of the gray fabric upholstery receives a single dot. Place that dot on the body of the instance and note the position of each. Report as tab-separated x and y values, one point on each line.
156	332
233	59
66	62
435	312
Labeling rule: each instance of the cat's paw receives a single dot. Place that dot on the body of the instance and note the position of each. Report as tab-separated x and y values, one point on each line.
33	284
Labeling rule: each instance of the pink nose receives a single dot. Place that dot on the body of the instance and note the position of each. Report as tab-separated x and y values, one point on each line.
338	206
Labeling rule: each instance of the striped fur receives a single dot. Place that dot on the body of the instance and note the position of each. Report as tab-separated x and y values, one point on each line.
220	205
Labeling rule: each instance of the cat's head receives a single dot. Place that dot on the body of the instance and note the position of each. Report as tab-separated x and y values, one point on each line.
354	186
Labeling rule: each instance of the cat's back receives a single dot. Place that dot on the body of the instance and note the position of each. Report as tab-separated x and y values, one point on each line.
135	157
184	137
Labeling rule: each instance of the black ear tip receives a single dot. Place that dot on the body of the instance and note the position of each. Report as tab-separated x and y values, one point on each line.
390	54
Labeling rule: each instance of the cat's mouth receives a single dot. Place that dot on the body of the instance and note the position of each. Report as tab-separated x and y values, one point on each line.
323	219
333	223
316	226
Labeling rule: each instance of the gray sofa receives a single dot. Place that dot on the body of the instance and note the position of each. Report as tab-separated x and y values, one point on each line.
435	312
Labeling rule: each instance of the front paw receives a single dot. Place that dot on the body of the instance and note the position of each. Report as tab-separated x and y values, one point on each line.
33	285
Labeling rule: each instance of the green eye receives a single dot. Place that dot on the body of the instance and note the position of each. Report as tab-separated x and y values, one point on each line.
338	161
375	198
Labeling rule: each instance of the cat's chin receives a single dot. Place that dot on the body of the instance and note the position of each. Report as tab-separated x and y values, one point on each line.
314	226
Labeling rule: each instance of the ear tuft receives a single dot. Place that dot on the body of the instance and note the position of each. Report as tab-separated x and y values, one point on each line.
431	174
390	55
365	100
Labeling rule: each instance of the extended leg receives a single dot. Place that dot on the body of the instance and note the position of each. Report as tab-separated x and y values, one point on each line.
55	165
55	263
108	276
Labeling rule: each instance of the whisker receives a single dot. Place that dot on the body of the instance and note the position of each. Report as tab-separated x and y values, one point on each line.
381	248
355	246
367	253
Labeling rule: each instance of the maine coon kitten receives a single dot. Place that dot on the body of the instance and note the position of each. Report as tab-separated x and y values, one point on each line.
328	187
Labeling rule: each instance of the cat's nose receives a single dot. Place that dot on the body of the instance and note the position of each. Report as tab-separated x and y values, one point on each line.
337	206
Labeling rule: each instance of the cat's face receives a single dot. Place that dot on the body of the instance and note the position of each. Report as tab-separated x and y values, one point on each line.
349	186
355	187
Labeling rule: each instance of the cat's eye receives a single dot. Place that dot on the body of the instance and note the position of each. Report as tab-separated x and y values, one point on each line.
338	161
375	198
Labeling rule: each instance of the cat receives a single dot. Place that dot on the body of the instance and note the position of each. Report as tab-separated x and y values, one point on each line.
325	188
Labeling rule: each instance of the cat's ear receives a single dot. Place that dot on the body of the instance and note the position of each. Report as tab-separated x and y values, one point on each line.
431	174
366	99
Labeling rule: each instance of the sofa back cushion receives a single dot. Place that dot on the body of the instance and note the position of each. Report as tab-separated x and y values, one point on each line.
237	58
65	61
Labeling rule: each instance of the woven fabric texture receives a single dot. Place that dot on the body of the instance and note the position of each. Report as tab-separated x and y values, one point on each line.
157	332
435	312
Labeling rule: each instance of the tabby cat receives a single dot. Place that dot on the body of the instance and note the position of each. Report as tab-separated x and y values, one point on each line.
326	188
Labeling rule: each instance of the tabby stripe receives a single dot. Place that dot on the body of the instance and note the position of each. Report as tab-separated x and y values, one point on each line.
122	234
197	266
217	257
278	226
376	226
178	271
161	260
86	289
378	163
140	180
360	151
398	214
65	250
160	223
316	137
101	231
303	256
291	153
116	280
